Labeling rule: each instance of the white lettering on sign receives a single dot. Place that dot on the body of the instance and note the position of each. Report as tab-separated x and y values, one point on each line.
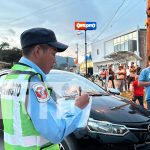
83	25
79	25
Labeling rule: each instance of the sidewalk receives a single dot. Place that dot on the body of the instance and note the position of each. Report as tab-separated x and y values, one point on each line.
128	95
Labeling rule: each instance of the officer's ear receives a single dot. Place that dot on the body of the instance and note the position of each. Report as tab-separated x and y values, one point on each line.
37	51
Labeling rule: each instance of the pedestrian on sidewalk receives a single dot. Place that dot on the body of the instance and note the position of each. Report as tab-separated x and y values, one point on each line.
144	80
138	91
132	75
103	76
111	79
120	78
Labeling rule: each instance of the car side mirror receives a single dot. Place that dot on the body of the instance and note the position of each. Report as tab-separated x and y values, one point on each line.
113	91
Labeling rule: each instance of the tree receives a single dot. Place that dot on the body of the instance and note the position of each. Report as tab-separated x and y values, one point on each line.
4	45
10	55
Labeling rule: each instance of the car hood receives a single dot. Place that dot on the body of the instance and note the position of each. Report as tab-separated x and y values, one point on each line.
116	110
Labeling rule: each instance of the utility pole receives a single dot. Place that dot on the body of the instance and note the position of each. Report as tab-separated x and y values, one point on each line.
148	32
77	53
85	55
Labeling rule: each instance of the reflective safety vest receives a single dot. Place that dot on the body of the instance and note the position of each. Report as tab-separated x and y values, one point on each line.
19	132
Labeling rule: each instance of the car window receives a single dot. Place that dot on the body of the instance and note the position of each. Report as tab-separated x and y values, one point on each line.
68	84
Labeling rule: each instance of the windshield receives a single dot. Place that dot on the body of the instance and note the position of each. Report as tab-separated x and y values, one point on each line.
67	84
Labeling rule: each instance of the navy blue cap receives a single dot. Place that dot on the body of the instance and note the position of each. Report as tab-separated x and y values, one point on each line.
37	36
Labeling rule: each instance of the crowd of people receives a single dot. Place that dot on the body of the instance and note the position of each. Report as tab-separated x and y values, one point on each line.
120	79
130	79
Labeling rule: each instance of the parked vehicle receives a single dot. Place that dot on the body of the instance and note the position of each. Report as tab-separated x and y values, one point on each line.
113	119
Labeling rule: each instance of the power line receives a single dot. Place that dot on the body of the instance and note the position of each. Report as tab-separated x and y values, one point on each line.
41	10
30	14
126	7
128	10
106	26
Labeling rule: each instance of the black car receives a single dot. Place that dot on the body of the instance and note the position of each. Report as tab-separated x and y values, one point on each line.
113	119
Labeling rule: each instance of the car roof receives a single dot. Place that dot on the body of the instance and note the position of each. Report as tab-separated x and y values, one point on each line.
60	71
3	71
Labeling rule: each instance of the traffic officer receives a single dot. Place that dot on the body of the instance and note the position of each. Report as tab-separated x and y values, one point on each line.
31	117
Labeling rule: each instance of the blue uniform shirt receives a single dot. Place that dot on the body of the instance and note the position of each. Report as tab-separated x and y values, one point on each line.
47	118
145	77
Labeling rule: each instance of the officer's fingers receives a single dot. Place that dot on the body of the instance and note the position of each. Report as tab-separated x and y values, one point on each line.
82	101
84	96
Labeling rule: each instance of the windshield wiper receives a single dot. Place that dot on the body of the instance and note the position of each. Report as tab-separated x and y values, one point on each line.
67	97
97	94
118	107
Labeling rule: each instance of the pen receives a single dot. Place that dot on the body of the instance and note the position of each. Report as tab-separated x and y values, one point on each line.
79	90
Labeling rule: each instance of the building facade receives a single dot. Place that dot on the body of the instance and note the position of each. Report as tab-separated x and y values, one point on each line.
124	48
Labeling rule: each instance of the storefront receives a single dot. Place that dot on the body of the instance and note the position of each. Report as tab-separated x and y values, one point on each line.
89	67
122	48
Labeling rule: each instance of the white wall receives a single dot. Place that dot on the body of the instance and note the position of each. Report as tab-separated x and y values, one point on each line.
109	48
105	47
98	45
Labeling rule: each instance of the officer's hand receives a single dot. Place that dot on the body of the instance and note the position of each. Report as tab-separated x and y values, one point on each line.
82	101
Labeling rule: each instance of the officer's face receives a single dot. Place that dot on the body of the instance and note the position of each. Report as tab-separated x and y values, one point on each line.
47	59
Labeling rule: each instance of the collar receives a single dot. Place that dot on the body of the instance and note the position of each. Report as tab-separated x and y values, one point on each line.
28	62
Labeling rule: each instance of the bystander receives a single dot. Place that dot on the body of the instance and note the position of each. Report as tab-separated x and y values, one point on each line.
144	80
132	74
120	78
103	76
138	91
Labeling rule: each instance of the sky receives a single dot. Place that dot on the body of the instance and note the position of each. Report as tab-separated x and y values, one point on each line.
111	16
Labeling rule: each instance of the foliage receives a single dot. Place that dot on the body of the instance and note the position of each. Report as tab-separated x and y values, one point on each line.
9	55
4	46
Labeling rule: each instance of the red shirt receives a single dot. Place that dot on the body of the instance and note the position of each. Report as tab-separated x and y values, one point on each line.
138	90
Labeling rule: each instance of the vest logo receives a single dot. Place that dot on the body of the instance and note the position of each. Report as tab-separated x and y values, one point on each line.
10	88
85	25
40	92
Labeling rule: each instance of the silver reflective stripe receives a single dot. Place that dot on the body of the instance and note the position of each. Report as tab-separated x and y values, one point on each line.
24	141
16	100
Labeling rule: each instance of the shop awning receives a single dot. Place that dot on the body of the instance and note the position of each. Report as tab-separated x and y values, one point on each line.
123	56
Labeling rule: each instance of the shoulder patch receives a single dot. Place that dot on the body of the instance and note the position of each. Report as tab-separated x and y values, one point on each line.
41	92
